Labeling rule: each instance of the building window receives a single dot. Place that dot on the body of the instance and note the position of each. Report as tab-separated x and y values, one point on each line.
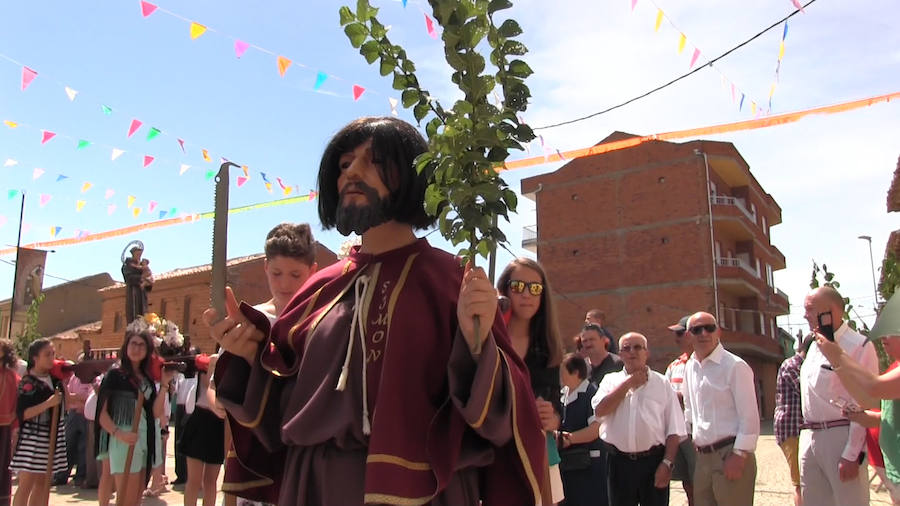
765	226
774	332
712	188
762	324
718	249
758	271
162	308
769	279
753	210
117	322
186	322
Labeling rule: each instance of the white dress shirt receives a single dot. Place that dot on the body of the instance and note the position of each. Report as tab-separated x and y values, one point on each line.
720	400
818	386
645	417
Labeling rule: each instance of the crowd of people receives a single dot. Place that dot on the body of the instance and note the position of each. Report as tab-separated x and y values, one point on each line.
397	376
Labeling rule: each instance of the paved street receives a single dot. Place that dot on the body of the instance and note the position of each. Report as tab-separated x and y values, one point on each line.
773	487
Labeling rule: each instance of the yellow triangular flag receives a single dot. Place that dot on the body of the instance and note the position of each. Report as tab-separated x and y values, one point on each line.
659	18
781	51
52	231
136	211
752	107
283	64
287	190
681	42
206	155
772	90
85	187
79	205
131	200
196	30
10	124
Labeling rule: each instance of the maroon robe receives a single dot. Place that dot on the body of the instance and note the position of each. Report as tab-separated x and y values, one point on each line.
445	428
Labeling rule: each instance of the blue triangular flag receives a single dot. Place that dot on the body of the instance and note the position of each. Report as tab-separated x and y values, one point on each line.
61	177
162	214
263	174
741	105
320	80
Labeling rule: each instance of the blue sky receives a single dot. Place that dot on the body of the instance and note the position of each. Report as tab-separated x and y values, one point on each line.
828	173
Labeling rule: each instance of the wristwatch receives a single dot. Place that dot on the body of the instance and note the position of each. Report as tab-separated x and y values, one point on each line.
668	463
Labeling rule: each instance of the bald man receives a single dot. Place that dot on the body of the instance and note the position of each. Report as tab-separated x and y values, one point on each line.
720	408
832	458
641	423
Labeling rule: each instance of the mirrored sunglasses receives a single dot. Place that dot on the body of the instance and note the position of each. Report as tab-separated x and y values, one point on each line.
534	287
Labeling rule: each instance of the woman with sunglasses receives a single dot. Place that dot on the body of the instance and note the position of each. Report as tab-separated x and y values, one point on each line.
531	322
116	403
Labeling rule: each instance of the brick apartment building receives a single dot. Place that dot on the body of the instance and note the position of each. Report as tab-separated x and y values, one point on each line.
182	295
656	231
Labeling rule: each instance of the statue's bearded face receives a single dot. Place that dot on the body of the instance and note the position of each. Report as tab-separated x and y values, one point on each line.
364	197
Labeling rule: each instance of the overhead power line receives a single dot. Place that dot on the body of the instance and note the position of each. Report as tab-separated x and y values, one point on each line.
679	78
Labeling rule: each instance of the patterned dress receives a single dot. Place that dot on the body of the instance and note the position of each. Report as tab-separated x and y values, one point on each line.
33	446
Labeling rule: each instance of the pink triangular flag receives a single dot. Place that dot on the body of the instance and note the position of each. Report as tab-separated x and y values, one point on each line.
45	198
633	3
46	135
37	173
116	153
28	75
151	206
110	209
135	124
429	26
357	92
109	193
798	5
26	227
313	194
239	47
147	8
148	160
694	57
181	143
184	168
241	180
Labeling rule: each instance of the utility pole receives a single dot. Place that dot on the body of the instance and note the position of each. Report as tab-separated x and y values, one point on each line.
12	300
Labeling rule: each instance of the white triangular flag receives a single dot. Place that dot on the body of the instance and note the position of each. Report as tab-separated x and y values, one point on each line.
116	153
10	162
394	103
37	173
71	93
184	168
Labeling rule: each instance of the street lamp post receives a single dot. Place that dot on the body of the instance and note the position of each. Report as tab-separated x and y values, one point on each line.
872	263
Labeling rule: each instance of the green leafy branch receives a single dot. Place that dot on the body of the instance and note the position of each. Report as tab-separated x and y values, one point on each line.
469	141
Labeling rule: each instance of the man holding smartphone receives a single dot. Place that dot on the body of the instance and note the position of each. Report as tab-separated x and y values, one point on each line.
832	448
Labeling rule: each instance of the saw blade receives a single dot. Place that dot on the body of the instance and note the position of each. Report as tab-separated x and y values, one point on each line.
220	241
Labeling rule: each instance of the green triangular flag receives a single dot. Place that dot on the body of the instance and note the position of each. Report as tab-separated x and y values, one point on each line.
210	174
83	144
152	133
12	194
106	110
888	322
172	211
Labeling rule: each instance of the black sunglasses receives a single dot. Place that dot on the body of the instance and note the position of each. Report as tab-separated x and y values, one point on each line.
709	328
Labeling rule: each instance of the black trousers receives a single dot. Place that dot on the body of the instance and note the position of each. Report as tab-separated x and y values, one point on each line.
630	481
180	460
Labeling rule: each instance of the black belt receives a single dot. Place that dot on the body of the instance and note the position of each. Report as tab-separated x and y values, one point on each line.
843	422
718	445
652	452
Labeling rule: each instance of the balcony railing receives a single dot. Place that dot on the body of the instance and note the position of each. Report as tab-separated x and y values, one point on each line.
780	293
737	262
724	200
529	233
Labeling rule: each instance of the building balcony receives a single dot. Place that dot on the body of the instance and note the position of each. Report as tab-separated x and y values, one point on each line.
724	200
529	238
751	344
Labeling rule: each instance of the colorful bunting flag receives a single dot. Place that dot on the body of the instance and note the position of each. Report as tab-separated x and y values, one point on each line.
10	124
28	75
269	187
239	47
106	109
131	200
181	143
46	135
173	211
633	4
659	18
79	205
694	58
83	144
263	175
147	160
404	3
313	194
86	186
681	42
246	171
147	8
61	178
283	64
357	92
153	133
741	105
109	193
116	153
136	211
54	231
241	180
10	162
206	155
320	80
197	30
11	194
109	210
798	5
37	173
429	27
287	190
210	174
162	214
135	125
280	183
151	206
184	168
71	94
44	198
393	101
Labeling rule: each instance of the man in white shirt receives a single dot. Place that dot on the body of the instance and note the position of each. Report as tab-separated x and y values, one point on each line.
831	446
687	454
641	424
720	408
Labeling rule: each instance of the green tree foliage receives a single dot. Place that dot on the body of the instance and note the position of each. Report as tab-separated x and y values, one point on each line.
890	276
469	141
30	333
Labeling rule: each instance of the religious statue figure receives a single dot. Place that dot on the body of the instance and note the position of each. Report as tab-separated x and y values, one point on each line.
138	281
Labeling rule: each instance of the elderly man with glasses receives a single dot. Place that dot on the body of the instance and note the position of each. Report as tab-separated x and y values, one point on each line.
641	424
720	408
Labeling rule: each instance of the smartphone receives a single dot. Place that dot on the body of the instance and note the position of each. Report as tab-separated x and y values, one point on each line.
826	325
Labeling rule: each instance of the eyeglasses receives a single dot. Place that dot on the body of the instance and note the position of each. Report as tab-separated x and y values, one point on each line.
635	347
534	287
709	328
